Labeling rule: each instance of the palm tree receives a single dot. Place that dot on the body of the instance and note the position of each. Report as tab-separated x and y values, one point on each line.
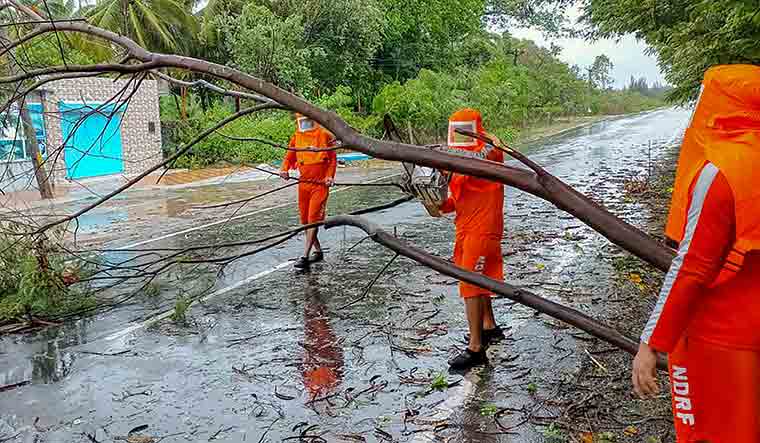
159	25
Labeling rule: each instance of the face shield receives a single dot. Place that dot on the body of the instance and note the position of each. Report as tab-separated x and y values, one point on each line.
458	140
305	124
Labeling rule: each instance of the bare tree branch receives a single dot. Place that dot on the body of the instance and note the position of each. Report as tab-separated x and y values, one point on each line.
210	87
548	307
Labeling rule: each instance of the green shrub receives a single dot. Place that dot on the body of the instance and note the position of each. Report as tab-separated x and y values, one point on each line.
216	148
179	316
35	276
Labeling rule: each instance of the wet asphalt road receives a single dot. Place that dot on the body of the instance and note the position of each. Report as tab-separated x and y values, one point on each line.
279	355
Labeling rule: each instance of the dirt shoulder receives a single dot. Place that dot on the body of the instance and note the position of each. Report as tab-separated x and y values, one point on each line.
537	132
598	404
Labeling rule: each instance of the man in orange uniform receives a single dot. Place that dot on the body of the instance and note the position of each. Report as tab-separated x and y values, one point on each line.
479	208
707	318
311	152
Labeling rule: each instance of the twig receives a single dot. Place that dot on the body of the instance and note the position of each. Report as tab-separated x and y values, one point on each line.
371	284
237	341
222	429
105	355
14	385
596	362
261	440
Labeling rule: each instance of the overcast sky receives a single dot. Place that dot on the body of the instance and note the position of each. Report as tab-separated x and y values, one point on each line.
627	55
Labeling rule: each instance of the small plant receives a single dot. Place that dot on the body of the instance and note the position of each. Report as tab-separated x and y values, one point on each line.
153	289
180	310
439	383
488	410
532	388
606	437
552	434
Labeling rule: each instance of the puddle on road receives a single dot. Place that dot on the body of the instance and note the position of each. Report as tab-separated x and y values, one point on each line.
287	357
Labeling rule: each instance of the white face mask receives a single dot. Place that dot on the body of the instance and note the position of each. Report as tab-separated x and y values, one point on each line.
459	140
306	124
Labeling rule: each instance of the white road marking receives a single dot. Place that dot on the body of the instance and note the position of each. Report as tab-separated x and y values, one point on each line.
166	314
237	217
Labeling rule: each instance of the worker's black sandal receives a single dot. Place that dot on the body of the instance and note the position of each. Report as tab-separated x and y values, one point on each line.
317	257
490	336
468	359
302	263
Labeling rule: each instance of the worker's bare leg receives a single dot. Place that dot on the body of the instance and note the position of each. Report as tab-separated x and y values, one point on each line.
489	322
311	236
474	310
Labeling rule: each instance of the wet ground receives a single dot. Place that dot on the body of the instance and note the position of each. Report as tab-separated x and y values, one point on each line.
274	355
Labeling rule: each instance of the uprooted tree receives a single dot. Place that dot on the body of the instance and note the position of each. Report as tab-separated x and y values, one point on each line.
135	63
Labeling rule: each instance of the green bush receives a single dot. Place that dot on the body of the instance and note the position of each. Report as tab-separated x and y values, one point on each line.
34	277
179	316
217	148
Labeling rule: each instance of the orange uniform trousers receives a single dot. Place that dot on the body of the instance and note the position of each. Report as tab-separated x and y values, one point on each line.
312	202
478	253
715	393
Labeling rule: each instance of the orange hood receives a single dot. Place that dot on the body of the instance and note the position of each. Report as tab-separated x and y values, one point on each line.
725	131
468	119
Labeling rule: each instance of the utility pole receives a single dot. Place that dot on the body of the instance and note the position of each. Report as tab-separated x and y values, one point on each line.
30	137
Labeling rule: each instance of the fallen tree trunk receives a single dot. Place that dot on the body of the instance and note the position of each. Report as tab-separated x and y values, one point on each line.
566	314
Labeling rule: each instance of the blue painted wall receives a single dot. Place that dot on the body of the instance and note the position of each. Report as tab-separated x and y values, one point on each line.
92	136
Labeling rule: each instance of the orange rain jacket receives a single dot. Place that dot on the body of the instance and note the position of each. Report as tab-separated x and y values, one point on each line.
708	315
312	166
710	292
479	203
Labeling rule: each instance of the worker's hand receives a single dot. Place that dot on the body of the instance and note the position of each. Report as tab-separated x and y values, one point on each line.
285	175
645	372
330	182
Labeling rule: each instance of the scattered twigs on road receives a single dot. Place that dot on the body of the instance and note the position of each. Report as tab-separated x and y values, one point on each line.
540	304
237	341
269	428
370	285
596	362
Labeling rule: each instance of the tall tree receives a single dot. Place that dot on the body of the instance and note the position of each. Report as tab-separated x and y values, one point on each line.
269	47
424	33
601	72
161	25
546	15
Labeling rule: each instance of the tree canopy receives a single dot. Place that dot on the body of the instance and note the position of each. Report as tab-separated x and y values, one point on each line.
687	36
